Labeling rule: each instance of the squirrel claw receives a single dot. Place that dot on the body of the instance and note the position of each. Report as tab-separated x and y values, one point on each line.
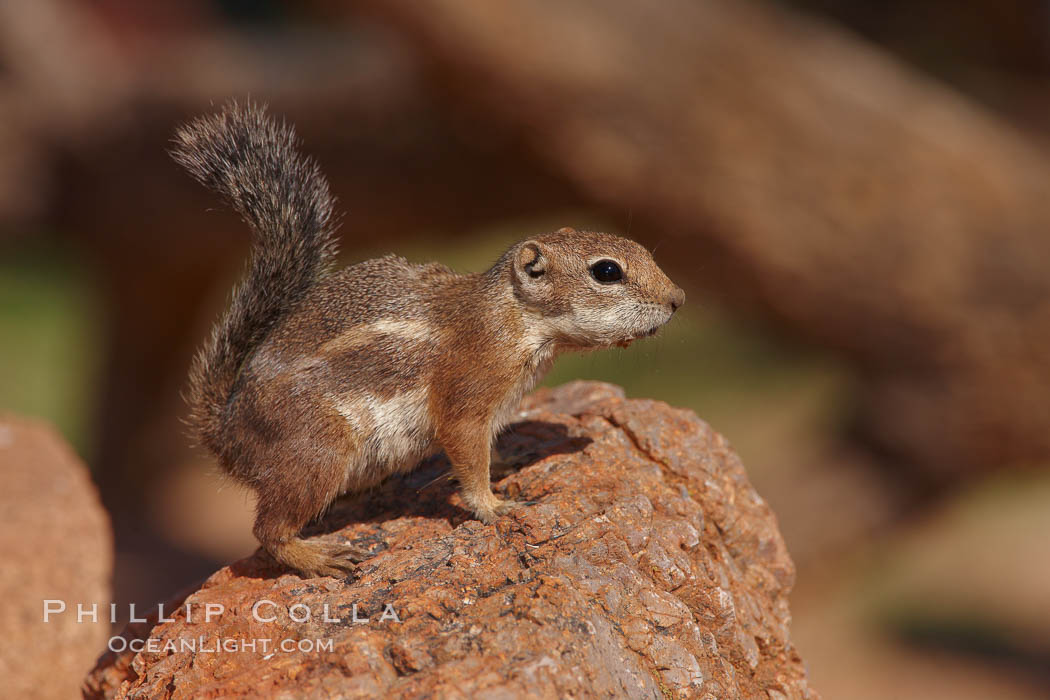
502	507
341	560
354	553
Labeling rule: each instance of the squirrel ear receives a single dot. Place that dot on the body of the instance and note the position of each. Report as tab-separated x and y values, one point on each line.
530	261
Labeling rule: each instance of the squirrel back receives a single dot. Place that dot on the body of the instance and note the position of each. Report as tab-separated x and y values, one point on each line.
253	161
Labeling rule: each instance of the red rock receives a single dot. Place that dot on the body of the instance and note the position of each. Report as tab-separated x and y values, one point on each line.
57	546
648	567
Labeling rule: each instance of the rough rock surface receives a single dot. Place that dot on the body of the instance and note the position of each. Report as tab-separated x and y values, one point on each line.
647	567
57	545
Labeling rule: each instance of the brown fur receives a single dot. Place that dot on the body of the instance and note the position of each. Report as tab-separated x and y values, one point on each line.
374	367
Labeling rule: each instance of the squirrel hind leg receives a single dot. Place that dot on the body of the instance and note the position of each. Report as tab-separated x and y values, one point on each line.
279	536
314	558
297	486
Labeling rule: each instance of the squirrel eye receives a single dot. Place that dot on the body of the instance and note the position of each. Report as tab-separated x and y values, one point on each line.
606	272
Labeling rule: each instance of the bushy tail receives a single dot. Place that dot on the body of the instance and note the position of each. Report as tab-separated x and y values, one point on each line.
253	161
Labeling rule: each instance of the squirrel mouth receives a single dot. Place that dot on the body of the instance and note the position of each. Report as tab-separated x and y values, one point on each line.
645	334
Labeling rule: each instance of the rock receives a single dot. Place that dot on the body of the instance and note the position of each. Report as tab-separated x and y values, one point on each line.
57	546
647	566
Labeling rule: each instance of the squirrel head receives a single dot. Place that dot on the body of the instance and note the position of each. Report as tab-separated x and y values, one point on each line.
589	289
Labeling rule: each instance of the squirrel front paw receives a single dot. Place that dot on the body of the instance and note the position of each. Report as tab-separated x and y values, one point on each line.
497	507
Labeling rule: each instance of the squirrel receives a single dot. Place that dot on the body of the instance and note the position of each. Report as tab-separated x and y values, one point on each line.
315	383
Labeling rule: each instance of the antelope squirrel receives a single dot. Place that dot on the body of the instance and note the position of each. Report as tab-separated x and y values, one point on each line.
316	383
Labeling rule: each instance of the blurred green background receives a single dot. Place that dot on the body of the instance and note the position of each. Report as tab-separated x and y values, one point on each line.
50	305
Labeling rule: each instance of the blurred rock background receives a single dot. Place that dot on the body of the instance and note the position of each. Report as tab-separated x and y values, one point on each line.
856	196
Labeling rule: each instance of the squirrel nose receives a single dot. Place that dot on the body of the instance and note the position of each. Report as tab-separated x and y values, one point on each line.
676	299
